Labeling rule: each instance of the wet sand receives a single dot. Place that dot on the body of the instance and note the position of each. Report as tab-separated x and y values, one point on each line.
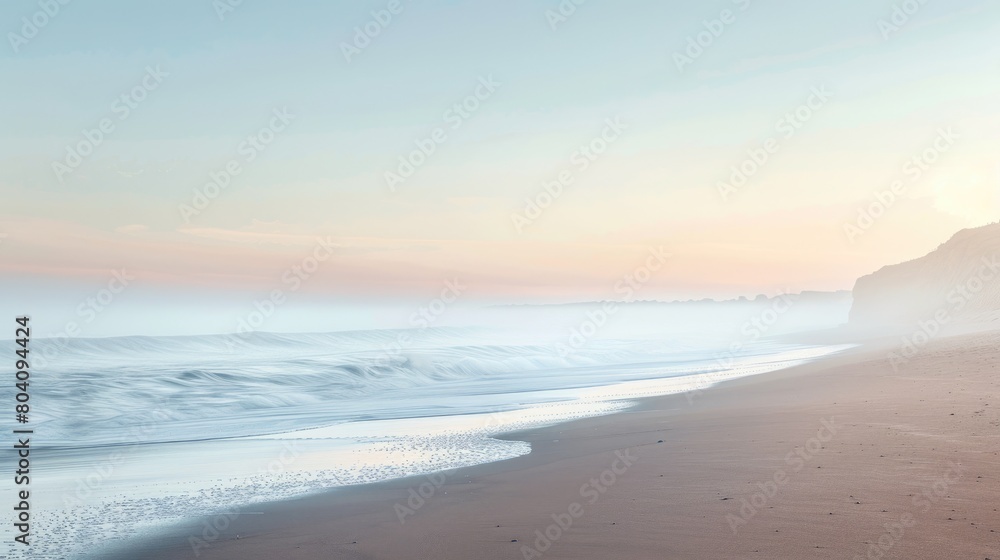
844	458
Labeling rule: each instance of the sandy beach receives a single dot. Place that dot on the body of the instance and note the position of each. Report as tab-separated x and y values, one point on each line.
843	458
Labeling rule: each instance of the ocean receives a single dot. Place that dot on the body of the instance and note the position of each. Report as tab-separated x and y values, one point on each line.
133	434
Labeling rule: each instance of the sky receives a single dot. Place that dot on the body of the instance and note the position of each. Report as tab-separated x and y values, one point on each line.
216	154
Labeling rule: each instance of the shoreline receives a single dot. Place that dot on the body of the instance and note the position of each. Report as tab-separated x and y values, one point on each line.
478	511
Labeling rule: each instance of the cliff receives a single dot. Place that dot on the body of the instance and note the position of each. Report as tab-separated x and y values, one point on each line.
957	283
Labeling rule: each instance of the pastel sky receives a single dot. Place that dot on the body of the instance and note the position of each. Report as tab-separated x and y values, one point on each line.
556	82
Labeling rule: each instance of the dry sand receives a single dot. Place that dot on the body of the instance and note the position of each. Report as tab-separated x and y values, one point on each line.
914	463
